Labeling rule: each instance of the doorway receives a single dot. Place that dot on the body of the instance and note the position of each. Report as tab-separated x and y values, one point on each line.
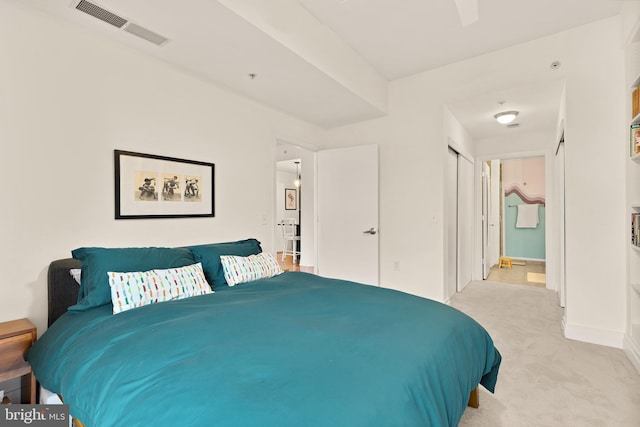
288	187
294	197
514	221
339	186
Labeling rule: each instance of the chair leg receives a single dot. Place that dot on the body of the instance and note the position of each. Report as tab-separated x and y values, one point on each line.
284	251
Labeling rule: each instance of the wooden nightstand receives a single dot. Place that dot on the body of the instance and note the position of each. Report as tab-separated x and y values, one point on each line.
16	337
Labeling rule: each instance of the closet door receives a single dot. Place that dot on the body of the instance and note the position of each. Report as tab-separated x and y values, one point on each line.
452	223
486	185
562	288
465	222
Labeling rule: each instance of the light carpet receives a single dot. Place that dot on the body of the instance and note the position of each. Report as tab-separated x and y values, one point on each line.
546	379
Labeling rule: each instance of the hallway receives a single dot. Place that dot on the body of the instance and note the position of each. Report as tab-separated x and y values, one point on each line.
521	273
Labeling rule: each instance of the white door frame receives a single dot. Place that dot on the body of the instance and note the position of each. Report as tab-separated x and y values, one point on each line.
486	189
308	226
551	247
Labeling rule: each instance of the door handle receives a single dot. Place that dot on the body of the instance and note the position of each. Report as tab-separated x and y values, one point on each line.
371	231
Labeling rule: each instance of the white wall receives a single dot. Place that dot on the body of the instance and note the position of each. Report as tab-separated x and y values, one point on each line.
412	153
513	146
457	137
631	37
596	217
69	98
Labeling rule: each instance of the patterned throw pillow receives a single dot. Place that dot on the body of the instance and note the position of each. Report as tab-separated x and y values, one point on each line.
239	269
135	289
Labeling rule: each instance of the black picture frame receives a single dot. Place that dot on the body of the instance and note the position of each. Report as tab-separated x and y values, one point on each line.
290	199
149	186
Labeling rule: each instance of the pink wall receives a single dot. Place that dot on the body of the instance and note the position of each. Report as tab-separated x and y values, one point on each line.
527	175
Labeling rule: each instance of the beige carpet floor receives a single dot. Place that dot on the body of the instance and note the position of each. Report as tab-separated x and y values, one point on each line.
545	379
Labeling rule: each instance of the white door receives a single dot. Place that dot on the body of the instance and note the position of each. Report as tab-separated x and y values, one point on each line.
486	177
452	222
348	214
562	231
493	239
465	222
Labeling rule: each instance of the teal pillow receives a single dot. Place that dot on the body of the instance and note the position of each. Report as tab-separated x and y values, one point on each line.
209	256
97	262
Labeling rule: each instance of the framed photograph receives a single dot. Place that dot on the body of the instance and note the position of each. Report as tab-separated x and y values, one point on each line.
150	186
635	139
290	199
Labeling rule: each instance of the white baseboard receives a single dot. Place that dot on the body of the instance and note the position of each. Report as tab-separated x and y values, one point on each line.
593	335
632	350
518	258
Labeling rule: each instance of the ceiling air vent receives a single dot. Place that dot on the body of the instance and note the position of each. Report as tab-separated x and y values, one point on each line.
100	13
149	36
104	15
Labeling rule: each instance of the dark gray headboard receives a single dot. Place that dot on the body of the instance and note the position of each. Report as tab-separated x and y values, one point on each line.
62	287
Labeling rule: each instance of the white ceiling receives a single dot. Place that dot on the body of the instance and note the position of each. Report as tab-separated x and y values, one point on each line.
538	105
404	37
225	41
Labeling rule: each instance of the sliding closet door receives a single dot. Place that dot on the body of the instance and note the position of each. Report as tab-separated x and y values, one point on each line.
561	190
452	223
459	224
465	222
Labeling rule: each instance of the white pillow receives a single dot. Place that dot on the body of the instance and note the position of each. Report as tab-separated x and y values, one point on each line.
135	289
76	273
239	269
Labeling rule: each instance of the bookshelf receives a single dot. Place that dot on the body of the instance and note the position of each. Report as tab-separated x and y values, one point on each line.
632	336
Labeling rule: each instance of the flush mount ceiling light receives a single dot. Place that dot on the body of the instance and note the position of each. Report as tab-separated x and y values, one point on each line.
506	117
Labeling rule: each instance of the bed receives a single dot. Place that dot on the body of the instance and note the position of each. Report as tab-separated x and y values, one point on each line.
289	350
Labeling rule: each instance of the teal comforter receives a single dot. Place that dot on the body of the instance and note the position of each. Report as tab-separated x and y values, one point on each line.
293	350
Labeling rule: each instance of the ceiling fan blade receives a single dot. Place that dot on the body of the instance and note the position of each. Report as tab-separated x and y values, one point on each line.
468	11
